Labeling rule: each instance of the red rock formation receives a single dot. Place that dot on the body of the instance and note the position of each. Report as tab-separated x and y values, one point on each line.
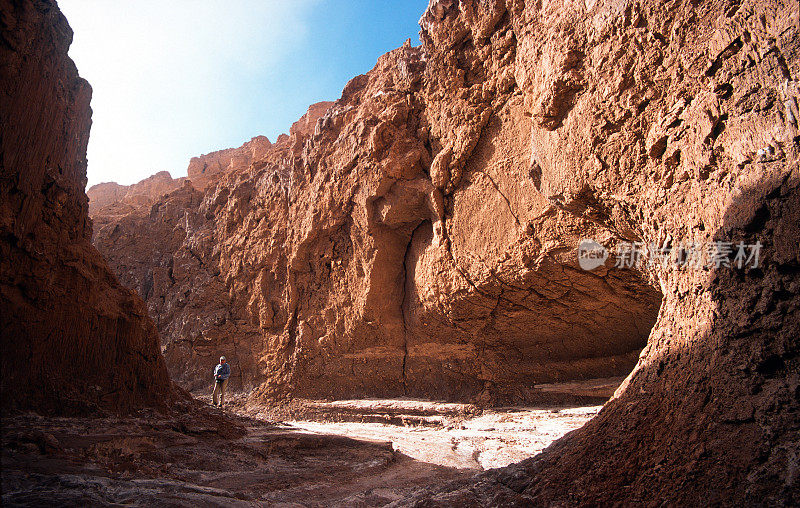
397	248
670	122
72	337
421	239
142	194
308	122
206	169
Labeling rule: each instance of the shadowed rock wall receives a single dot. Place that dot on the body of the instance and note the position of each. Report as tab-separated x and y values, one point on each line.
72	337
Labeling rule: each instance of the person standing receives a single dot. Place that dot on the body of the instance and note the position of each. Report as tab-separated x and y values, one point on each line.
221	374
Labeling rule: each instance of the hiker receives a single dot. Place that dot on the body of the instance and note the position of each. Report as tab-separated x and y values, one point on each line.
221	374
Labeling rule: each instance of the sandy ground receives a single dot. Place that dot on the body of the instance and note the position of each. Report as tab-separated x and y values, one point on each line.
341	453
494	439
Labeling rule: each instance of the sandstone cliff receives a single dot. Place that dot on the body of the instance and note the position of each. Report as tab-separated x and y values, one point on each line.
141	194
206	169
72	337
393	244
421	241
674	123
307	123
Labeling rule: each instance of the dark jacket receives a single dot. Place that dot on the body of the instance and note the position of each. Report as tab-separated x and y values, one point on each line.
223	370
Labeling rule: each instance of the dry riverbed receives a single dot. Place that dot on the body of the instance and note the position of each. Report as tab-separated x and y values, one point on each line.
341	453
452	435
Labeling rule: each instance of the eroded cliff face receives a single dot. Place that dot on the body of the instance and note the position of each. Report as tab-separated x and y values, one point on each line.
421	241
127	198
674	123
439	271
398	247
72	337
206	169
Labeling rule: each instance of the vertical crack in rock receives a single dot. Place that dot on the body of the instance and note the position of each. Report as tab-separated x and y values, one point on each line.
407	284
403	304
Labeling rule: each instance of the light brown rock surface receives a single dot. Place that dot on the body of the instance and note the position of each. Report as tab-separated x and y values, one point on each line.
141	194
670	121
73	339
308	122
421	241
206	169
211	458
336	267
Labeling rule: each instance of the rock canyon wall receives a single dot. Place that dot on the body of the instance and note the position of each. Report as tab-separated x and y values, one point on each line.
421	241
674	123
73	338
206	169
393	244
126	198
418	237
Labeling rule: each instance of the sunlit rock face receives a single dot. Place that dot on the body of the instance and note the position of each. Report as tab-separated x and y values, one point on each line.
73	338
207	169
394	244
125	198
420	240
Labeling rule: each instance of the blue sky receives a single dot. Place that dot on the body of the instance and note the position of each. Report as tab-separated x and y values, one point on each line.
181	78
